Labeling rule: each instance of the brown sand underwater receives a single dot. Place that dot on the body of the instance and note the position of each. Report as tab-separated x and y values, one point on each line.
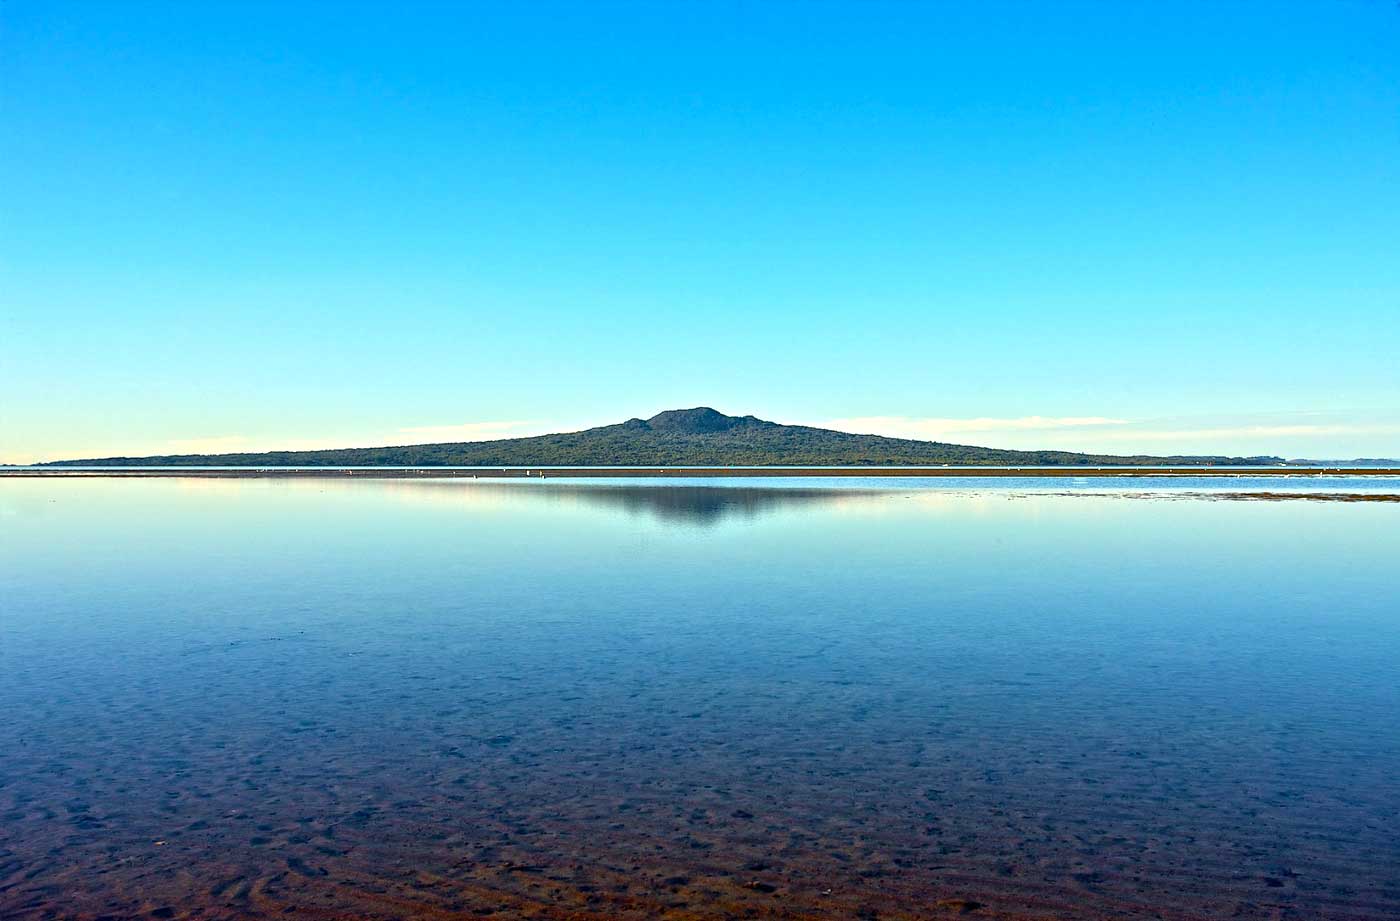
290	699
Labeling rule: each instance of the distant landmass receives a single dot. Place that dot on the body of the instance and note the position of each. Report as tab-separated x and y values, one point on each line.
1346	462
679	437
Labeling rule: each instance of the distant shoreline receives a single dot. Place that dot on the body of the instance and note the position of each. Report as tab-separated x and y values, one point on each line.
689	472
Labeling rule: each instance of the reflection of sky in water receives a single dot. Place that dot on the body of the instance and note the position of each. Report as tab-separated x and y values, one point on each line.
1037	701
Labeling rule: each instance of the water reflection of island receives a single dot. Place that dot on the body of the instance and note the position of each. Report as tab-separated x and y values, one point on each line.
708	505
704	506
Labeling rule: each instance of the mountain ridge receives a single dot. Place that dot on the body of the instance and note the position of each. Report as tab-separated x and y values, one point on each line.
699	436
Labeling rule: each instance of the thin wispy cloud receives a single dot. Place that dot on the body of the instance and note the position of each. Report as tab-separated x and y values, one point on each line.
415	434
1250	431
476	431
213	444
1322	434
937	429
1298	434
255	444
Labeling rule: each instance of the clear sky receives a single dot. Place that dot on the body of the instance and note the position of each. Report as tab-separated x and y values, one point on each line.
1171	227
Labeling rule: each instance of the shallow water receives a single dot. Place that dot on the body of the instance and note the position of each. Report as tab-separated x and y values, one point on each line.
418	699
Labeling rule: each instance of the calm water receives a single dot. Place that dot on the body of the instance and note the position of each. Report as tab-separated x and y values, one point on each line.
434	699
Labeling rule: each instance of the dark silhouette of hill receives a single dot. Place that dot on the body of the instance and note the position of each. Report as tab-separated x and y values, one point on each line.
678	437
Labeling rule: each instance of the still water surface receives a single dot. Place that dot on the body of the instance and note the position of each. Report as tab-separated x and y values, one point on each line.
453	699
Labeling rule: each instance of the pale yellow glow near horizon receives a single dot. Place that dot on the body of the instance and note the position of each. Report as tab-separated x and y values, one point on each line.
1092	434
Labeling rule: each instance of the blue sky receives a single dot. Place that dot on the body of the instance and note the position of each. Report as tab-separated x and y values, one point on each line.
1171	227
